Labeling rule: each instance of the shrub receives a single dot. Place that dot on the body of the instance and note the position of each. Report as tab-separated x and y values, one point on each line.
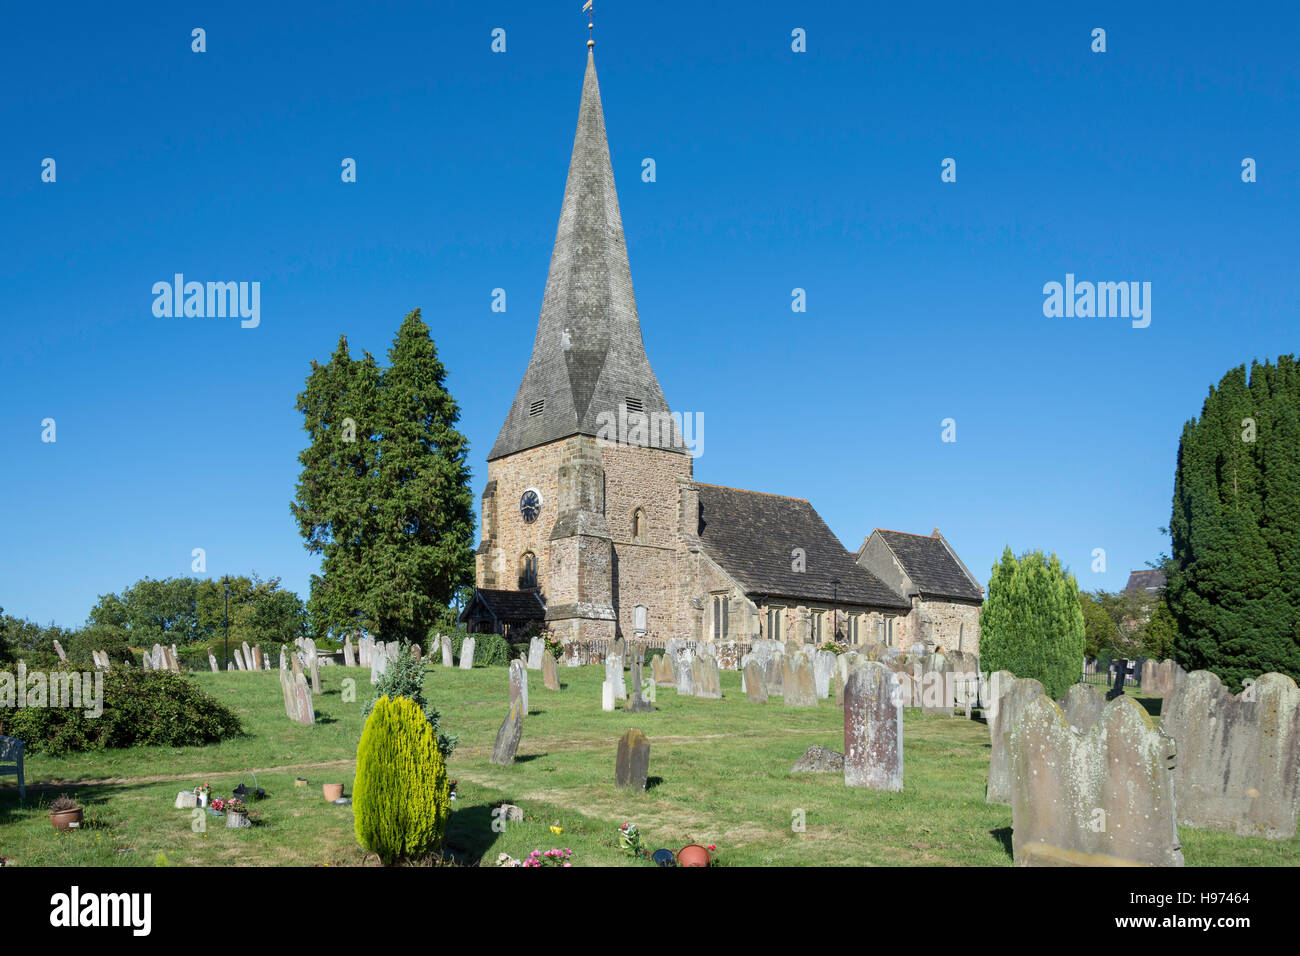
400	798
1031	623
491	650
404	677
139	708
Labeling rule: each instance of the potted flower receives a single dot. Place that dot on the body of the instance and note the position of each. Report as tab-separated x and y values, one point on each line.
65	813
553	857
452	788
204	793
629	840
236	814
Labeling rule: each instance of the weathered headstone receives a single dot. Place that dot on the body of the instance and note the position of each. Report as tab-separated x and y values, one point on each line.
774	673
1238	764
664	672
823	670
632	766
159	662
446	651
637	704
313	667
705	680
873	728
507	742
58	649
212	662
239	660
306	710
614	674
418	654
818	759
536	648
797	681
685	680
1082	706
393	649
519	684
1014	695
1101	798
755	683
467	654
550	672
349	656
606	696
937	688
248	657
648	690
174	663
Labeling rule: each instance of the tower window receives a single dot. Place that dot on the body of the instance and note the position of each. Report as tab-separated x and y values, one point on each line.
527	571
638	525
635	405
536	407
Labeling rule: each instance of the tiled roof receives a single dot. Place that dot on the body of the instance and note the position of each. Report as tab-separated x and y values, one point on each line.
588	369
510	605
753	536
931	566
1151	580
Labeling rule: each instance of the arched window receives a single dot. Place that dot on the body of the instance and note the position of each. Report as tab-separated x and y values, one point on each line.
638	525
527	571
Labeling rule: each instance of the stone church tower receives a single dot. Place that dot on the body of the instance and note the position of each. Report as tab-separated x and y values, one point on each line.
581	504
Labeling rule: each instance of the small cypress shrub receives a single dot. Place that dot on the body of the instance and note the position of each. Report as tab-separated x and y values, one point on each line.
401	797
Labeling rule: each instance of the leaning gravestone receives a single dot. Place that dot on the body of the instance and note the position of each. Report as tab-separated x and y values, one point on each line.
239	660
705	679
632	766
249	665
313	667
1014	696
798	682
290	693
755	685
1104	798
1238	763
550	672
58	649
467	654
873	728
507	742
824	665
306	711
1082	706
519	684
614	675
349	658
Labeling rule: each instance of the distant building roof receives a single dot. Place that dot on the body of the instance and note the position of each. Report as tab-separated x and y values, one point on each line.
753	537
1152	580
933	568
507	605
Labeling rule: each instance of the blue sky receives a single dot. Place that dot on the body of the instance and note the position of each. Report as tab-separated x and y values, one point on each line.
775	170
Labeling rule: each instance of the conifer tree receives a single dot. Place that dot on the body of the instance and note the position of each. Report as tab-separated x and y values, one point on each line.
1031	623
1234	573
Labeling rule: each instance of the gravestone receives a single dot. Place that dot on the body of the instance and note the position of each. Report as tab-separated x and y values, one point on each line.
1082	706
536	648
824	664
774	673
1104	798
550	672
313	666
755	684
248	657
606	696
159	663
614	674
467	654
873	728
306	711
1238	765
632	765
519	684
446	650
284	661
798	683
349	657
1121	677
1014	695
239	660
705	679
174	662
818	759
212	662
636	703
685	680
665	674
507	742
261	658
58	649
290	693
937	685
648	690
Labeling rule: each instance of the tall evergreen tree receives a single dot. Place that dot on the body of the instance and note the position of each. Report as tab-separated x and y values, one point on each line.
1234	572
424	551
1031	623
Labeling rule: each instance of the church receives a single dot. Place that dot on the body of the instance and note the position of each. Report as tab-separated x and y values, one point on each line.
593	524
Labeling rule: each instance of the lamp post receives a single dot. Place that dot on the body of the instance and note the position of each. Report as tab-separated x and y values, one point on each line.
835	609
225	587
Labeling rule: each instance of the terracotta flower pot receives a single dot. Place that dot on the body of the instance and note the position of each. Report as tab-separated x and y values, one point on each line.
66	819
333	791
693	855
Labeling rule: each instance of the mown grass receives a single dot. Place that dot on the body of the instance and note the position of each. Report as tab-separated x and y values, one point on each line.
719	775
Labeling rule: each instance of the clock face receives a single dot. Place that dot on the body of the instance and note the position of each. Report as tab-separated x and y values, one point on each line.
530	505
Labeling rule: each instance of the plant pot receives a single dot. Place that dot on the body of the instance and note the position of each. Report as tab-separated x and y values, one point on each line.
203	799
333	791
237	821
66	819
693	855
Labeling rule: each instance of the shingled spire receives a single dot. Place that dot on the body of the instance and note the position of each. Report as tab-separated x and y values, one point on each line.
589	366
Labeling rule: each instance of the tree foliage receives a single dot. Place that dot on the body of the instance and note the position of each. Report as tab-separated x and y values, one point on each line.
1031	623
401	796
1234	572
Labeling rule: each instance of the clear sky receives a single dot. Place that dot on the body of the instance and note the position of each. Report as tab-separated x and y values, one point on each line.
775	170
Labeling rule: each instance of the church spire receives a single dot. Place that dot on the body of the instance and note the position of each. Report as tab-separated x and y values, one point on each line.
588	366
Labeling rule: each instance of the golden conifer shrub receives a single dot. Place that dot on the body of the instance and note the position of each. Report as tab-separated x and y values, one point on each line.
401	797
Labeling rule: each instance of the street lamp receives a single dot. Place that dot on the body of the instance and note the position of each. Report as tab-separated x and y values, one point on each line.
225	587
835	609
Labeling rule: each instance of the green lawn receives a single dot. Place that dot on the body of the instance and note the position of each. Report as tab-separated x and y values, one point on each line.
719	775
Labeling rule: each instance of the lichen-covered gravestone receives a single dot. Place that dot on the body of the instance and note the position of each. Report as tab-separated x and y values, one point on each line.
873	728
1014	695
632	765
1082	706
519	684
536	648
550	673
446	650
685	682
1103	798
797	681
349	657
823	671
818	759
507	742
1238	764
755	684
705	680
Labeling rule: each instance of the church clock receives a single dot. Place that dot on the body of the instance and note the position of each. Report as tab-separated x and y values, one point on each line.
530	506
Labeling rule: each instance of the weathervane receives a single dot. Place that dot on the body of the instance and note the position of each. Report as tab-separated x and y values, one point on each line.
586	8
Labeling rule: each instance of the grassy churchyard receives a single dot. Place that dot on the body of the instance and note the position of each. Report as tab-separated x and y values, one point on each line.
719	775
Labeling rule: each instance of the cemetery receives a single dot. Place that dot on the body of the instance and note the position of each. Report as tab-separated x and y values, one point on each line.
789	756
